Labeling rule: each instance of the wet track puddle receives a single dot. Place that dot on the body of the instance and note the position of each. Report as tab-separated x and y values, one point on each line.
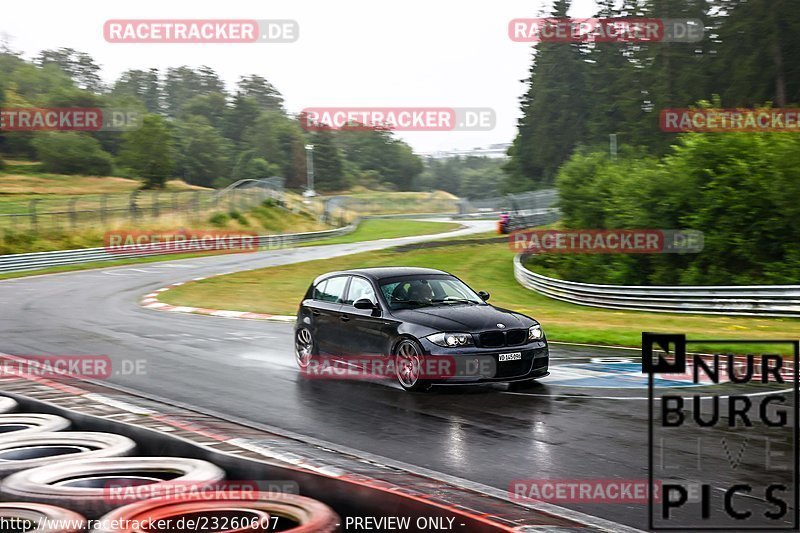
621	378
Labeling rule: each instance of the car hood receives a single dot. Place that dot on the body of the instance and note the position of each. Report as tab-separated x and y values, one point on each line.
467	318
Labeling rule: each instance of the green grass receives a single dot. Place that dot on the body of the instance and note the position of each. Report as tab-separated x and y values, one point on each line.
386	202
278	290
385	228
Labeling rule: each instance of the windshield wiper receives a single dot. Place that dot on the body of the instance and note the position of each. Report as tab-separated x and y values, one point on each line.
412	302
454	300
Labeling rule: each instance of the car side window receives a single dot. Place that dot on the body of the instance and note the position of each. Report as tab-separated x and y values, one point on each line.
360	288
319	290
333	291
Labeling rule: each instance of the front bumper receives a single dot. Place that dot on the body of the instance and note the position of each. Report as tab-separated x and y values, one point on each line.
483	365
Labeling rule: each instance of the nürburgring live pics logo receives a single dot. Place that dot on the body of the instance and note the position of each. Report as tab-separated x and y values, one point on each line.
726	458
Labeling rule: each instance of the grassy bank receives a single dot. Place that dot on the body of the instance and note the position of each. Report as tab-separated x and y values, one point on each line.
484	267
385	228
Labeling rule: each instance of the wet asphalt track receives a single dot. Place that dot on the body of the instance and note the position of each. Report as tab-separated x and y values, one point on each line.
486	434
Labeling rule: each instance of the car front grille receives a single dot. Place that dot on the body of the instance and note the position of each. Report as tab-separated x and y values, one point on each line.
498	339
515	337
512	369
492	339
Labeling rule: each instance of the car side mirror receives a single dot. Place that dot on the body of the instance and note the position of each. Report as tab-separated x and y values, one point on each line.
364	303
484	295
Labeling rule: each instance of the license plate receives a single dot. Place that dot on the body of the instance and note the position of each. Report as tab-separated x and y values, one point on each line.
515	356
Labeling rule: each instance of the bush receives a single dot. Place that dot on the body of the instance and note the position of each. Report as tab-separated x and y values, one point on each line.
739	189
240	218
219	220
72	153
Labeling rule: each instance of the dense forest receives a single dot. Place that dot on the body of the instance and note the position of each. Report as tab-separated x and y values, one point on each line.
193	128
580	93
740	189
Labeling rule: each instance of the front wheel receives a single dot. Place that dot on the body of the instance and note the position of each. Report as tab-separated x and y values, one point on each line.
304	347
408	366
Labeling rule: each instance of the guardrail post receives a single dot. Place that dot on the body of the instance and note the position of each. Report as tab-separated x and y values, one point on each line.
132	207
103	206
195	209
155	204
34	219
73	218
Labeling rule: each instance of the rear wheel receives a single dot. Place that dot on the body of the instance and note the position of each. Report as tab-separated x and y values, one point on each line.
408	366
304	347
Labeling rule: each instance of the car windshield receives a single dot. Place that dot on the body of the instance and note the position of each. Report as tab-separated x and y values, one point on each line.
427	291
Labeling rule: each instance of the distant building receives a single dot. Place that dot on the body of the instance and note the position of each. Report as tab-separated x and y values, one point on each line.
493	151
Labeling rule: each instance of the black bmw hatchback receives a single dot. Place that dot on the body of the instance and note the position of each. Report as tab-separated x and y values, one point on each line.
418	325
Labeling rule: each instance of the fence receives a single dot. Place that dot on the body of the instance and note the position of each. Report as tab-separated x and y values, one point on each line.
520	202
39	260
752	300
102	209
396	203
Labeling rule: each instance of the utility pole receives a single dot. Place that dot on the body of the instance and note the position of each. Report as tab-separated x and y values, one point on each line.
310	170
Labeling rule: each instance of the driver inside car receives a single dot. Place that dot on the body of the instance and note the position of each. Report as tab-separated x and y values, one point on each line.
420	291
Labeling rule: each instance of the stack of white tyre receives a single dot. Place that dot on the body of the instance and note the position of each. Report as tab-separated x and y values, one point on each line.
55	480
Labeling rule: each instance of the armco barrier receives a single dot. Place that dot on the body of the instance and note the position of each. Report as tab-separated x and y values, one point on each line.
751	300
38	260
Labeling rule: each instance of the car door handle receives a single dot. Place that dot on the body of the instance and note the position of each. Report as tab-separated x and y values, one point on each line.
345	318
315	312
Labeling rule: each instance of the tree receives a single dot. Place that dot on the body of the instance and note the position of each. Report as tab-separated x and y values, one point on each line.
202	152
279	140
183	83
147	151
240	116
71	153
262	91
553	112
79	66
211	106
143	85
376	149
758	46
328	169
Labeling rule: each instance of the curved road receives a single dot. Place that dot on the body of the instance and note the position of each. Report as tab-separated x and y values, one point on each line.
486	434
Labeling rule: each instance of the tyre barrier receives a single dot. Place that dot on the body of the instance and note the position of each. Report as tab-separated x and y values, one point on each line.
24	424
266	512
39	449
27	516
94	487
7	405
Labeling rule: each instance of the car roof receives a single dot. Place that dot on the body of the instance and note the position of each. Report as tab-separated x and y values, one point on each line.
378	273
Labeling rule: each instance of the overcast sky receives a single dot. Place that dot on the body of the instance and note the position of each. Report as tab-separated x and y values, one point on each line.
351	53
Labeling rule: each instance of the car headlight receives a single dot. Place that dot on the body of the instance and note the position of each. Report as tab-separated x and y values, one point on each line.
535	333
450	340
